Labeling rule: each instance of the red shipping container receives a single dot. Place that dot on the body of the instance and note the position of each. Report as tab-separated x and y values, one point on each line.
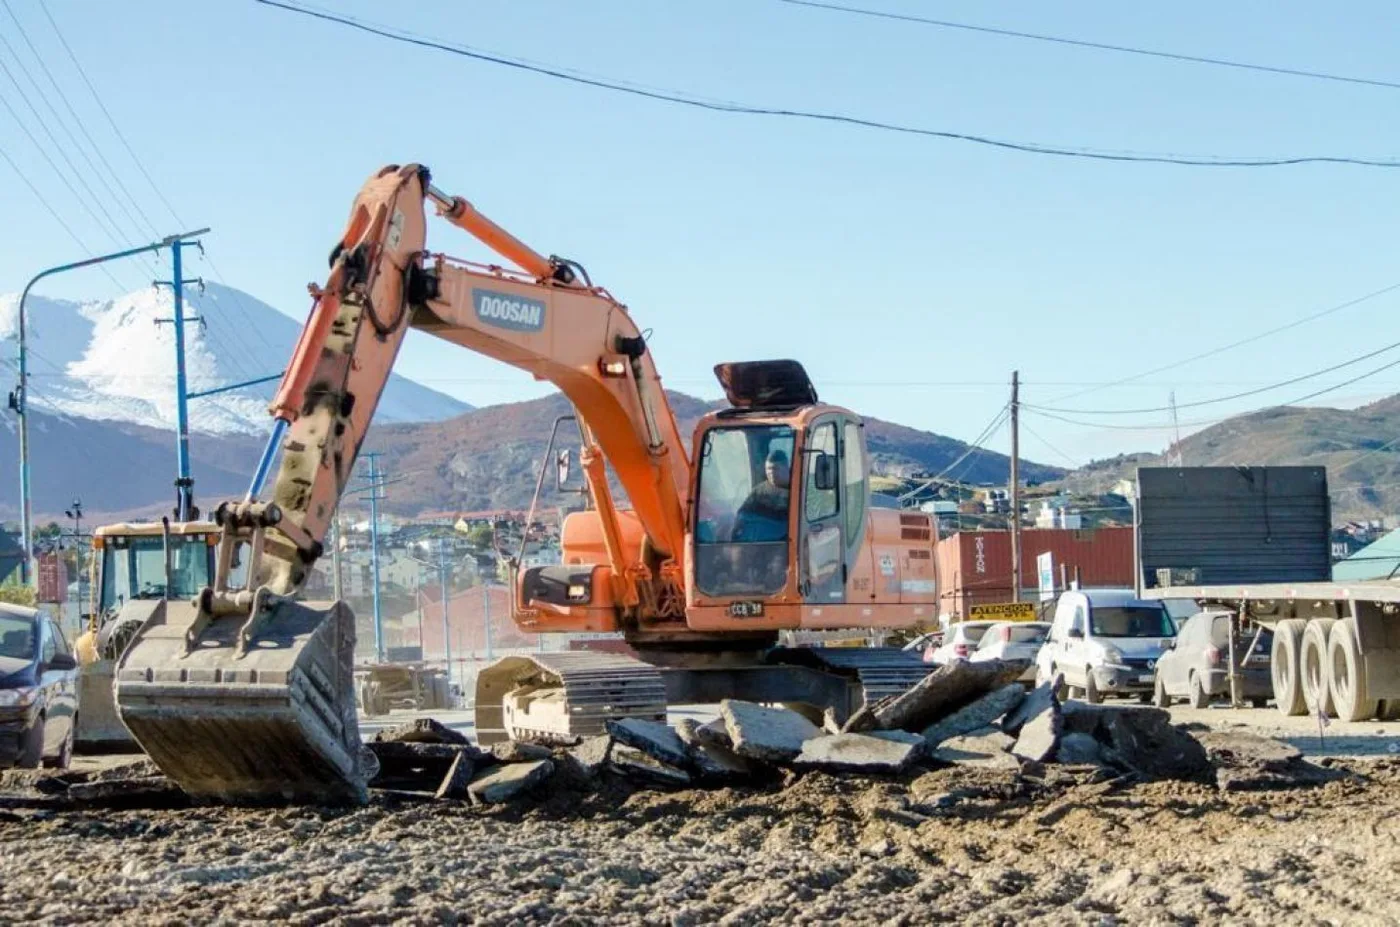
974	567
53	579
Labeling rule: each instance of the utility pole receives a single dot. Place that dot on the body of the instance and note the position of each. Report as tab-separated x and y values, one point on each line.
184	482
19	397
1174	458
75	512
374	488
1015	485
337	590
446	608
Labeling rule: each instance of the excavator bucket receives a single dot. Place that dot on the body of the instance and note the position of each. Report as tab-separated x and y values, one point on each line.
248	710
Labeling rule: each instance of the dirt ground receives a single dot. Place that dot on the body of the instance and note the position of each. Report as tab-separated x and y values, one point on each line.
959	844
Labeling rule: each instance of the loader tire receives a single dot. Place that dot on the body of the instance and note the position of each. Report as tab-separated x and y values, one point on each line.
1317	692
1346	674
1286	667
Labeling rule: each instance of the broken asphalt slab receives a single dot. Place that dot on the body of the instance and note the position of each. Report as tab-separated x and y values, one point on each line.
592	755
1139	740
975	715
502	783
856	753
774	735
938	694
421	731
1039	700
983	748
647	769
458	777
653	738
1246	762
514	751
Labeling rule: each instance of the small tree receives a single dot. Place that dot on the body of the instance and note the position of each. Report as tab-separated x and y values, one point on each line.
482	537
17	595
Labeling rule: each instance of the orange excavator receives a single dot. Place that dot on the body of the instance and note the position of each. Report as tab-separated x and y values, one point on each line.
761	522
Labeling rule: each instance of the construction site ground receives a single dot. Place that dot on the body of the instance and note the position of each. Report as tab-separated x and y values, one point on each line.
955	844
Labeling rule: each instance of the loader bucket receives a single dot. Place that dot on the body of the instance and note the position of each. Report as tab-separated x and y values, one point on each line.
271	721
99	728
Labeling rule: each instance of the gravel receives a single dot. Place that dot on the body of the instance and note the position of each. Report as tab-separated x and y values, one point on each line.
958	844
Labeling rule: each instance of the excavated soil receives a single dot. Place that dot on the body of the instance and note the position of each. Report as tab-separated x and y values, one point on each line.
961	844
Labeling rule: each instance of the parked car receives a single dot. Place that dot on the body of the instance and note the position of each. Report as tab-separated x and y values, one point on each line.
1013	640
959	641
1196	668
38	690
1106	642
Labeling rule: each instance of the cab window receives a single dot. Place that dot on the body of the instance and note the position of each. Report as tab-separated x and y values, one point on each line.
50	646
60	641
821	503
853	466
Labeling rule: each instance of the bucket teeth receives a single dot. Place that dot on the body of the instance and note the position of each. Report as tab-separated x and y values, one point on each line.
273	723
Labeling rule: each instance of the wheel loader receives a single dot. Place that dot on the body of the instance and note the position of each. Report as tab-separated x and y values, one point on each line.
758	522
128	583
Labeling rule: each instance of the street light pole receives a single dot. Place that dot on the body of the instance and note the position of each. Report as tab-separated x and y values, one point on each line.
19	398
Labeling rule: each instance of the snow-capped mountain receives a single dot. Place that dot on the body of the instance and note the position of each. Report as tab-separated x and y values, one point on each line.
111	361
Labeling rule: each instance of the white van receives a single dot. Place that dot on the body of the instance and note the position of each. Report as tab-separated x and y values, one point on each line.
1106	641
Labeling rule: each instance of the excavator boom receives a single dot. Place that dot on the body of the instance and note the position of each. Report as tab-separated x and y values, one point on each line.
248	694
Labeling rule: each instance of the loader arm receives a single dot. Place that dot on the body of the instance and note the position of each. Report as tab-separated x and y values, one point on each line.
541	318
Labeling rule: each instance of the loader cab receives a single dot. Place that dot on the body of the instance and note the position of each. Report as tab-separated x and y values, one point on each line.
781	491
130	563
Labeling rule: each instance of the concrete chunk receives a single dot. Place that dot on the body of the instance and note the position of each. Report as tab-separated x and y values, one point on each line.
856	753
687	729
1039	700
986	748
774	735
502	783
420	731
945	690
514	751
645	768
652	738
459	776
592	755
976	715
718	764
1040	736
1078	750
1140	740
715	733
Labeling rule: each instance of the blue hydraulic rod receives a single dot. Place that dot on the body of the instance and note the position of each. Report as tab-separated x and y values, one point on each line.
279	431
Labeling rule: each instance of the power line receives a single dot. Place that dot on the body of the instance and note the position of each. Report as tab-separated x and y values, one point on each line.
110	227
1237	344
1216	421
975	445
1100	46
686	99
56	217
1371	453
1220	399
1034	434
82	128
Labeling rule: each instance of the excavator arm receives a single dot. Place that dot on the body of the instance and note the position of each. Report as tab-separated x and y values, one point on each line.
541	318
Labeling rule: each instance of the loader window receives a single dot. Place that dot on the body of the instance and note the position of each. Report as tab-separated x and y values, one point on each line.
742	510
134	568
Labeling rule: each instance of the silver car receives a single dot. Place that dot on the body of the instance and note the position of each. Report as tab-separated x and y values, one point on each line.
1013	640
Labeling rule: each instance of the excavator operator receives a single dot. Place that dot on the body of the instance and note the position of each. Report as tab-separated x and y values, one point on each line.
764	514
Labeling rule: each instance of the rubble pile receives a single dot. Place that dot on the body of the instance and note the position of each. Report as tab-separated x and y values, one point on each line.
969	715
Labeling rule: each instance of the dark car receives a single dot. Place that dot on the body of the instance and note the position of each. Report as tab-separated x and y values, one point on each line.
38	690
1197	665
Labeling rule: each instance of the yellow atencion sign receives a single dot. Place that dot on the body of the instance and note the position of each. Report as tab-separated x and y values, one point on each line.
1002	611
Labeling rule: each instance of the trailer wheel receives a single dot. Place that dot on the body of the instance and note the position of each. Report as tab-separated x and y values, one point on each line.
1317	694
1287	666
1389	710
1347	674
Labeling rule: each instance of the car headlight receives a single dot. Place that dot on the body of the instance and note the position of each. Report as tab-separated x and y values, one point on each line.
18	698
1112	654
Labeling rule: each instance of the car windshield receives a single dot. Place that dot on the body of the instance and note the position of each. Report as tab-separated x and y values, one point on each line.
1028	633
1131	621
134	568
17	637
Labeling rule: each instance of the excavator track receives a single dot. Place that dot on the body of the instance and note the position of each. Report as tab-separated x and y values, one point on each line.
562	697
878	671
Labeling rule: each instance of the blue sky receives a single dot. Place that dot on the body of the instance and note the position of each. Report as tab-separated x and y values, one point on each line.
910	275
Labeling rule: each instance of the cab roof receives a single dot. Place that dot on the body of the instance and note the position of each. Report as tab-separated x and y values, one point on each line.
154	529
